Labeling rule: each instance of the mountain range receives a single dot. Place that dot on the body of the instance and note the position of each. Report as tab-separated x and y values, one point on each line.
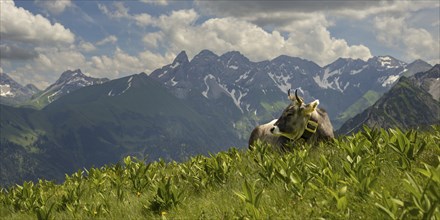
102	123
205	104
67	83
12	93
411	103
254	92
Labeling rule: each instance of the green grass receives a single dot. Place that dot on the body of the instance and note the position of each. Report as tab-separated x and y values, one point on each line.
375	174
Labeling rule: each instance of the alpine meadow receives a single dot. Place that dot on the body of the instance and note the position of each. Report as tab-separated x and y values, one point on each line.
352	177
219	109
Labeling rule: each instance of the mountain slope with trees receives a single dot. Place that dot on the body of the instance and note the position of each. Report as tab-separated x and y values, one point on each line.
410	103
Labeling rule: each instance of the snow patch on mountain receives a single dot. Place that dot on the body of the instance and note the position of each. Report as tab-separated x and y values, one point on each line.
80	82
282	82
209	76
162	74
300	70
173	82
346	85
126	89
324	83
174	65
53	96
5	90
389	63
233	67
384	61
390	80
237	101
129	85
338	87
243	76
354	72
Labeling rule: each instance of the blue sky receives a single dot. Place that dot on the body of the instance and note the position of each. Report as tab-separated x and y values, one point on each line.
41	39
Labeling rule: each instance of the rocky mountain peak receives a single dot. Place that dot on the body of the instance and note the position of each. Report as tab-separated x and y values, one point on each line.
234	56
416	67
68	82
386	62
181	58
12	92
69	74
204	56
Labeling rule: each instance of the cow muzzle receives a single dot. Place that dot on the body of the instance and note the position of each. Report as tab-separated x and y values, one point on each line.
275	130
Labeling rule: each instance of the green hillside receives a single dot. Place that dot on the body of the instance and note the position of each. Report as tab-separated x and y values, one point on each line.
374	174
101	124
367	100
405	106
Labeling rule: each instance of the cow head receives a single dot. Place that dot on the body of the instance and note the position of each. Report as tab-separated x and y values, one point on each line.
295	117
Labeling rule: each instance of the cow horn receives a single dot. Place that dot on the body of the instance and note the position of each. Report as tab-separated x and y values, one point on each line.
290	96
300	101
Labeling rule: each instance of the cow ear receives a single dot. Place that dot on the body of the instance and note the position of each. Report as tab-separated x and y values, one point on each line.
309	108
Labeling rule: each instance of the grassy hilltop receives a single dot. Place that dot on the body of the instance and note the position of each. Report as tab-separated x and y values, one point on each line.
374	174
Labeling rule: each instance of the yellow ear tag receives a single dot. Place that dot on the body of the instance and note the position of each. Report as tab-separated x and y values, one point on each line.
312	126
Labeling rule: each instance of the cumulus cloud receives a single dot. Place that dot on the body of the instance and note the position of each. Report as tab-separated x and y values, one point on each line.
12	52
86	46
152	39
112	39
358	9
53	61
143	19
38	42
308	38
156	2
307	23
261	30
50	61
54	7
20	25
416	43
121	63
117	11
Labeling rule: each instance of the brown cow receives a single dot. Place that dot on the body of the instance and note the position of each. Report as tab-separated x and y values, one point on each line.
299	120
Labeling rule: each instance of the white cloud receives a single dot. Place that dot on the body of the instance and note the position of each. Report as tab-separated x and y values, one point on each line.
357	9
308	38
155	60
118	10
308	22
13	52
55	7
143	19
261	30
20	25
54	61
112	39
156	2
415	43
122	64
86	46
152	39
50	61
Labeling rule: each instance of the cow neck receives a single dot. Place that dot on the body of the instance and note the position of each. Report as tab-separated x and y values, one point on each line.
310	129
